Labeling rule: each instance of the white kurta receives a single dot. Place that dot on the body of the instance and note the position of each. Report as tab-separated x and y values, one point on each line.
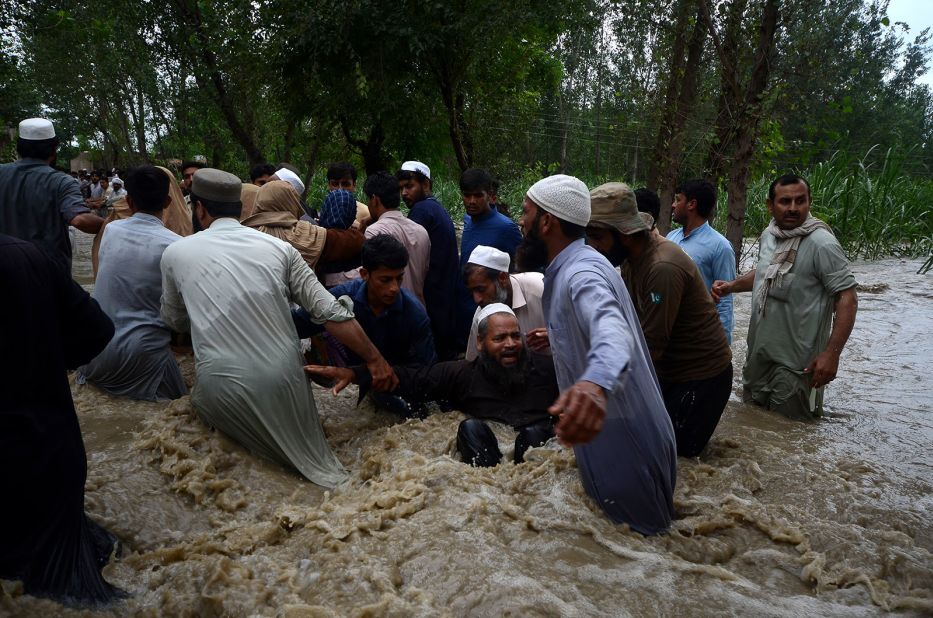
234	284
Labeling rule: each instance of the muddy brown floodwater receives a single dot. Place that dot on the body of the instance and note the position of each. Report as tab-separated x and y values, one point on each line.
776	518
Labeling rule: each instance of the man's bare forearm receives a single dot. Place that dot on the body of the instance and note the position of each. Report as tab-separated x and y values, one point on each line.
87	223
846	306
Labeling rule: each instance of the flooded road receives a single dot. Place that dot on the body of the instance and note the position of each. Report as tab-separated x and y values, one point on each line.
776	518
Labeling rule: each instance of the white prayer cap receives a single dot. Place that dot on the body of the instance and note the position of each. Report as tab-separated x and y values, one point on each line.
490	257
36	129
291	178
492	309
417	166
563	196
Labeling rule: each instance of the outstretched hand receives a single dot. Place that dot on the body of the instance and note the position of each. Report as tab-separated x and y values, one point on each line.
581	410
720	288
342	376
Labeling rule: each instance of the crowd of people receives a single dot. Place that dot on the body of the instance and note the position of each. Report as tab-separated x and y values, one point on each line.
580	323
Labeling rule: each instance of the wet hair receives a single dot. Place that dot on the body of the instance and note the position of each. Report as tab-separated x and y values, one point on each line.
648	201
36	148
337	171
787	179
384	251
218	209
261	169
703	192
188	164
413	175
384	186
475	179
490	273
148	186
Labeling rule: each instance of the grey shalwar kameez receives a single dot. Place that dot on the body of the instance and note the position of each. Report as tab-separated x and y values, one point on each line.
138	361
630	467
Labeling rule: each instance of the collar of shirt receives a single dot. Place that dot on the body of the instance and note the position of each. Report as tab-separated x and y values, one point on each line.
491	213
360	297
568	252
391	214
30	161
224	223
144	216
698	231
518	297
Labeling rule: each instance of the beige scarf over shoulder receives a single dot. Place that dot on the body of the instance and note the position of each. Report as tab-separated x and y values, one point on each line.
788	241
277	211
176	216
248	197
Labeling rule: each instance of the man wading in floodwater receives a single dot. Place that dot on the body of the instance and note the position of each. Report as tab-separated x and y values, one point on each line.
802	279
610	406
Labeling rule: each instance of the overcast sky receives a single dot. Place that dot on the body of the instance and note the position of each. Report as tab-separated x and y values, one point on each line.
918	14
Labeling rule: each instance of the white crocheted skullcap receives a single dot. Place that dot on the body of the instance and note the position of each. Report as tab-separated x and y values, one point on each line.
417	166
565	197
291	178
34	129
492	309
490	257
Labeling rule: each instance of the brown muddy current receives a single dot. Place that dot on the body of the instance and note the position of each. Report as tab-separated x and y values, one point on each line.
776	518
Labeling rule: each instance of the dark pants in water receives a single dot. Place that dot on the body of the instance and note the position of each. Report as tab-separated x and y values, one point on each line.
478	446
695	408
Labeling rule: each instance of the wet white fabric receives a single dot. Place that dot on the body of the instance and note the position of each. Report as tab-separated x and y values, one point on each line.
233	285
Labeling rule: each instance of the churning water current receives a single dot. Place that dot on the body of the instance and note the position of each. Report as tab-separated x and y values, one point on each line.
775	518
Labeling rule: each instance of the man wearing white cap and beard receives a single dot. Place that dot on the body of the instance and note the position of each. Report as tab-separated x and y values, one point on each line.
505	384
37	202
610	407
486	275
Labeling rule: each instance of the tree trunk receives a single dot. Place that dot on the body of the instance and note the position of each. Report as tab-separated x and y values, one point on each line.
730	93
746	128
685	102
208	77
371	149
660	154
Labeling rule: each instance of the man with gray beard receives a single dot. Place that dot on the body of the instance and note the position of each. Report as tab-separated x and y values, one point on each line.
486	275
505	383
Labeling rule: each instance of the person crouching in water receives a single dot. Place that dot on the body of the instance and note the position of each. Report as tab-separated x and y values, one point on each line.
505	384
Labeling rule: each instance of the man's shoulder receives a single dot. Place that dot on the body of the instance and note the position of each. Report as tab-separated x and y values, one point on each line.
348	288
675	235
532	284
669	254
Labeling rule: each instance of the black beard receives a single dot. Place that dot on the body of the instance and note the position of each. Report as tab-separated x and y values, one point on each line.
531	253
509	379
617	254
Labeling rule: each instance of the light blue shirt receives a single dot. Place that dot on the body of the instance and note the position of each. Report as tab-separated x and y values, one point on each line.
138	361
630	467
715	258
